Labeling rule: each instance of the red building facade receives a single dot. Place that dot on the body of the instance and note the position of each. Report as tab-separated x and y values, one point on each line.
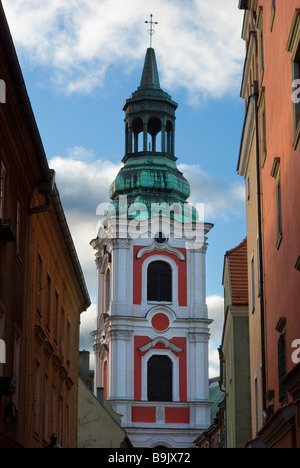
275	26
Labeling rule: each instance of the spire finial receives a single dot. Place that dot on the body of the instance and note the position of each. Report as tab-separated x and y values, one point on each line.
151	31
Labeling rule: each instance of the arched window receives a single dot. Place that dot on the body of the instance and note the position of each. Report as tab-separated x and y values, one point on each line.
154	128
159	282
107	290
160	378
170	138
137	128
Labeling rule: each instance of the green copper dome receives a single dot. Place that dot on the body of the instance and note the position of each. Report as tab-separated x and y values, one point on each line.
150	174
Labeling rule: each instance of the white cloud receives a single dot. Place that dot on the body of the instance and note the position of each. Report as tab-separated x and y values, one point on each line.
83	181
197	42
215	304
88	324
222	199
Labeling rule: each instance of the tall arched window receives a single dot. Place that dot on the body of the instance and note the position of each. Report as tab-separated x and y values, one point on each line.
160	378
154	128
107	290
137	128
159	282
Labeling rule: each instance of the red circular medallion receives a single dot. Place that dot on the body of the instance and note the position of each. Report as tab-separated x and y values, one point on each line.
160	322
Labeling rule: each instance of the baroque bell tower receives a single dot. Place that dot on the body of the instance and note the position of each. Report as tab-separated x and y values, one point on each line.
151	341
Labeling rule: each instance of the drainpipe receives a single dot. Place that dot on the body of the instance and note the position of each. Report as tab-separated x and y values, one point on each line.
260	251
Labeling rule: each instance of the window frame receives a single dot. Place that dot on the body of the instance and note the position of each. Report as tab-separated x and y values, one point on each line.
275	173
175	383
293	46
175	291
152	394
156	292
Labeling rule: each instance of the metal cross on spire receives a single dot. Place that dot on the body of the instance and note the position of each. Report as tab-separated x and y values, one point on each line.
151	31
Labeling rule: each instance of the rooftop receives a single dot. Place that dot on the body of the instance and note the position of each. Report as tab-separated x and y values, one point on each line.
238	272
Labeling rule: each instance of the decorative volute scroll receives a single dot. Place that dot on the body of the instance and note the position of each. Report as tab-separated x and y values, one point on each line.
161	248
164	341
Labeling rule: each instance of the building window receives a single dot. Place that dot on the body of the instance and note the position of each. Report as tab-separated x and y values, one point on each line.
37	397
159	282
61	421
54	410
296	100
46	408
281	367
16	368
293	46
262	106
281	355
48	302
19	231
55	318
160	378
2	191
67	427
252	284
278	210
68	343
39	285
107	290
248	188
273	11
261	42
62	333
276	174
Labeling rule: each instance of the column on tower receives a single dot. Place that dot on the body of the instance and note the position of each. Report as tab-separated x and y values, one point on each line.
100	311
198	392
145	134
197	286
121	285
120	338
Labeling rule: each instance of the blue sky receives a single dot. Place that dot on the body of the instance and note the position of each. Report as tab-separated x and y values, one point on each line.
82	59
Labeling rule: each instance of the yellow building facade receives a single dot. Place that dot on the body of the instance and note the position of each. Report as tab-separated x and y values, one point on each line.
42	289
250	159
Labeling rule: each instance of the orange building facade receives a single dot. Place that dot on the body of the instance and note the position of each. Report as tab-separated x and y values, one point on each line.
271	31
42	289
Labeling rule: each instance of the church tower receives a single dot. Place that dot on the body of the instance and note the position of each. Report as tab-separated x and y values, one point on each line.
151	341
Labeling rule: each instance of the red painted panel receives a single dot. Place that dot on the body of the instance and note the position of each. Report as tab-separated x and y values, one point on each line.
177	415
137	275
143	414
